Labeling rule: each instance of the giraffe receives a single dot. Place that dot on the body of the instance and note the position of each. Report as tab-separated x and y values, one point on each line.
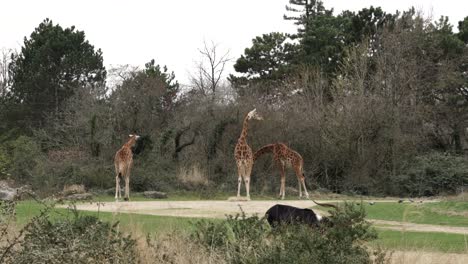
243	154
284	156
123	162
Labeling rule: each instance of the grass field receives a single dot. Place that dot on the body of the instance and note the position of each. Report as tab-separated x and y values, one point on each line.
426	241
426	213
439	213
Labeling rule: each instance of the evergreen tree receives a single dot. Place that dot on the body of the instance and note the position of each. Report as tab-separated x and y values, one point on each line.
52	64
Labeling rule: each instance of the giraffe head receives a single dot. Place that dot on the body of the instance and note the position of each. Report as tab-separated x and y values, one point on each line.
132	139
134	136
253	114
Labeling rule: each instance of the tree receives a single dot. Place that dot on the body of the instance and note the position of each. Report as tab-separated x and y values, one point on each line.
270	57
209	70
324	41
5	80
311	8
367	23
145	99
52	64
167	101
463	30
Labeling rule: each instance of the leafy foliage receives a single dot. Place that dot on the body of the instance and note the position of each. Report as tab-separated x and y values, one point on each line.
250	239
53	63
433	174
82	239
269	57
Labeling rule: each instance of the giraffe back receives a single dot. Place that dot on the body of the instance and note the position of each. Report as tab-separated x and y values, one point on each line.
287	156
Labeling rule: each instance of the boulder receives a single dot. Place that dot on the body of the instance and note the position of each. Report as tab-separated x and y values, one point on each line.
7	193
73	189
155	195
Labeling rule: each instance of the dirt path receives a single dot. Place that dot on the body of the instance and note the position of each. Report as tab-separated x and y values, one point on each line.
206	209
219	209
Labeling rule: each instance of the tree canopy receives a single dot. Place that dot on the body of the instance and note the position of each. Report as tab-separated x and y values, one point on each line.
52	64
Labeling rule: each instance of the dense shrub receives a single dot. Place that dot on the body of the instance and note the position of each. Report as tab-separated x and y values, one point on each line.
432	174
25	156
71	238
250	240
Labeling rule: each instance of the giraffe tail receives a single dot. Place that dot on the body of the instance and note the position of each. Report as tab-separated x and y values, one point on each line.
263	150
321	204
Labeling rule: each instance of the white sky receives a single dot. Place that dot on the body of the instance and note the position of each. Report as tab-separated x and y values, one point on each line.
171	32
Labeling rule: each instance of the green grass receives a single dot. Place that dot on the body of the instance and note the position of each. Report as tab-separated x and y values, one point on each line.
25	210
427	241
429	213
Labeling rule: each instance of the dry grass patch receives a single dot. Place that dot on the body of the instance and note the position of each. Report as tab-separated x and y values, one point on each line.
175	247
192	176
423	257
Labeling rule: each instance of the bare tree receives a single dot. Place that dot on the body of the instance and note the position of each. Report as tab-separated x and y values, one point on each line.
4	76
209	70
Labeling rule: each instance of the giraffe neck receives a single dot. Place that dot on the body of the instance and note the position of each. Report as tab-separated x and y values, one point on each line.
245	127
130	143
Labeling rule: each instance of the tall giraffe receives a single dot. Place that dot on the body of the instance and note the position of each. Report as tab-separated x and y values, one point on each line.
123	162
284	156
243	154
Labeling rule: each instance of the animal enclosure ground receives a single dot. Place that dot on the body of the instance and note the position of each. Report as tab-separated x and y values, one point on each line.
386	214
162	216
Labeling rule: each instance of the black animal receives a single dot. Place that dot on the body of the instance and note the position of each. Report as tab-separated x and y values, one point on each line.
280	214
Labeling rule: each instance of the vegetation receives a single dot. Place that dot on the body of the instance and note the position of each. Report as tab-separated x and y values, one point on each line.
54	236
444	213
81	238
250	239
421	241
375	102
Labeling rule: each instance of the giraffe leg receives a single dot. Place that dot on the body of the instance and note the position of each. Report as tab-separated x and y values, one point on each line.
300	189
283	180
248	171
300	175
239	179
117	187
127	188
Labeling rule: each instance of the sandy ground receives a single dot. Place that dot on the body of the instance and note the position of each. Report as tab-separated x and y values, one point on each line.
207	209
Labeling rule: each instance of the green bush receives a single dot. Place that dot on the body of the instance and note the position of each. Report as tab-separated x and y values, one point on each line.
25	157
432	174
69	239
4	163
251	240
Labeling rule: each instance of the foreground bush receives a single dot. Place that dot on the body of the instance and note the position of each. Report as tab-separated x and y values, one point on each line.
68	239
250	240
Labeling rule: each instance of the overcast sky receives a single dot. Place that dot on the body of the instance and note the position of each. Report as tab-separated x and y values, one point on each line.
171	32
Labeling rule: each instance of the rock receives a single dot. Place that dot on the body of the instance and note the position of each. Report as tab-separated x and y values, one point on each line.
7	194
73	189
79	197
155	195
